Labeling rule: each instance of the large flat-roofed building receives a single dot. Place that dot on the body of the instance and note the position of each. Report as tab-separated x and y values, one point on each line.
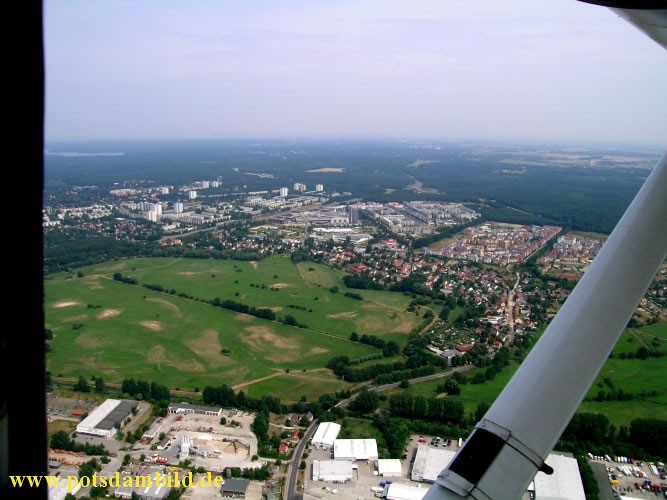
389	467
564	484
397	491
355	449
190	408
152	487
106	419
429	462
235	488
326	434
333	470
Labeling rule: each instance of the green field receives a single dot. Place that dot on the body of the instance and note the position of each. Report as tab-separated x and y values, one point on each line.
134	331
630	375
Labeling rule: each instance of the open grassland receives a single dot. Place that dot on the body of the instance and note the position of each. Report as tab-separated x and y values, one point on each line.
54	426
292	386
278	284
631	375
117	330
140	333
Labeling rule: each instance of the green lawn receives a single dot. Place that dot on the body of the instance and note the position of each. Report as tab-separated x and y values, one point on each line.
290	387
141	333
277	283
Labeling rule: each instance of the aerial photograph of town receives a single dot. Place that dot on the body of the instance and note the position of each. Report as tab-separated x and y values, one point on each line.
252	289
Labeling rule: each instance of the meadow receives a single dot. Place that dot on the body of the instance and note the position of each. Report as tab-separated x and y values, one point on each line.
117	330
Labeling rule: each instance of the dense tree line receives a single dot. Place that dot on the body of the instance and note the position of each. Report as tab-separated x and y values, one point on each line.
124	279
389	349
362	282
142	389
397	376
446	410
592	432
260	312
61	441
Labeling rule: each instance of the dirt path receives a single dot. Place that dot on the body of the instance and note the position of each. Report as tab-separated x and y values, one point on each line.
261	379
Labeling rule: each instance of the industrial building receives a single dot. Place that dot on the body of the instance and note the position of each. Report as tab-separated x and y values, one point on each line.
190	408
429	462
151	490
333	470
326	434
389	467
355	449
395	491
235	488
564	484
106	419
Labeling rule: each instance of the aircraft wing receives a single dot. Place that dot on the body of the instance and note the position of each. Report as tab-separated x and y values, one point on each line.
511	442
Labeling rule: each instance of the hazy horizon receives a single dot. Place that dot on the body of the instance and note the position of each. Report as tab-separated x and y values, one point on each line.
562	72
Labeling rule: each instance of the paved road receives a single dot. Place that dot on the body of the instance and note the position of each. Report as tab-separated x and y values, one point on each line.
379	388
293	469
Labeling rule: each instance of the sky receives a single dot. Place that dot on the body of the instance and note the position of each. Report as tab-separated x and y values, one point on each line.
521	70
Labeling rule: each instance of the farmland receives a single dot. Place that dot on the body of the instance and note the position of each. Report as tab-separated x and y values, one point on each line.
105	327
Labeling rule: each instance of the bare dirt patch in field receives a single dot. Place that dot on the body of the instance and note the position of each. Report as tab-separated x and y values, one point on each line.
169	305
90	340
207	345
318	350
327	170
71	319
158	352
405	326
263	340
187	273
244	317
253	264
108	313
343	315
156	326
279	285
65	303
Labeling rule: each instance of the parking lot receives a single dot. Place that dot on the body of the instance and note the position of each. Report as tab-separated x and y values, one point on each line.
636	479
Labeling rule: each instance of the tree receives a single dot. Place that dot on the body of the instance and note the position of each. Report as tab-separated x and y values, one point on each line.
81	385
290	320
404	384
129	386
60	441
366	401
452	387
126	459
354	337
481	410
303	422
99	385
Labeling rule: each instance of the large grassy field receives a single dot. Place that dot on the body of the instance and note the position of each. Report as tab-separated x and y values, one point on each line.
631	375
134	331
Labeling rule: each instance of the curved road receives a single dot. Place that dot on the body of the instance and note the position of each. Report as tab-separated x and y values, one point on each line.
293	469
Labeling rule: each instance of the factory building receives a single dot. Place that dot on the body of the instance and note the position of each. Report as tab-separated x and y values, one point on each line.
106	419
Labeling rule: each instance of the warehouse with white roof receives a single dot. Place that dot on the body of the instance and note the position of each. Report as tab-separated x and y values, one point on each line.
397	491
564	484
326	434
429	462
355	449
389	467
333	470
106	419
